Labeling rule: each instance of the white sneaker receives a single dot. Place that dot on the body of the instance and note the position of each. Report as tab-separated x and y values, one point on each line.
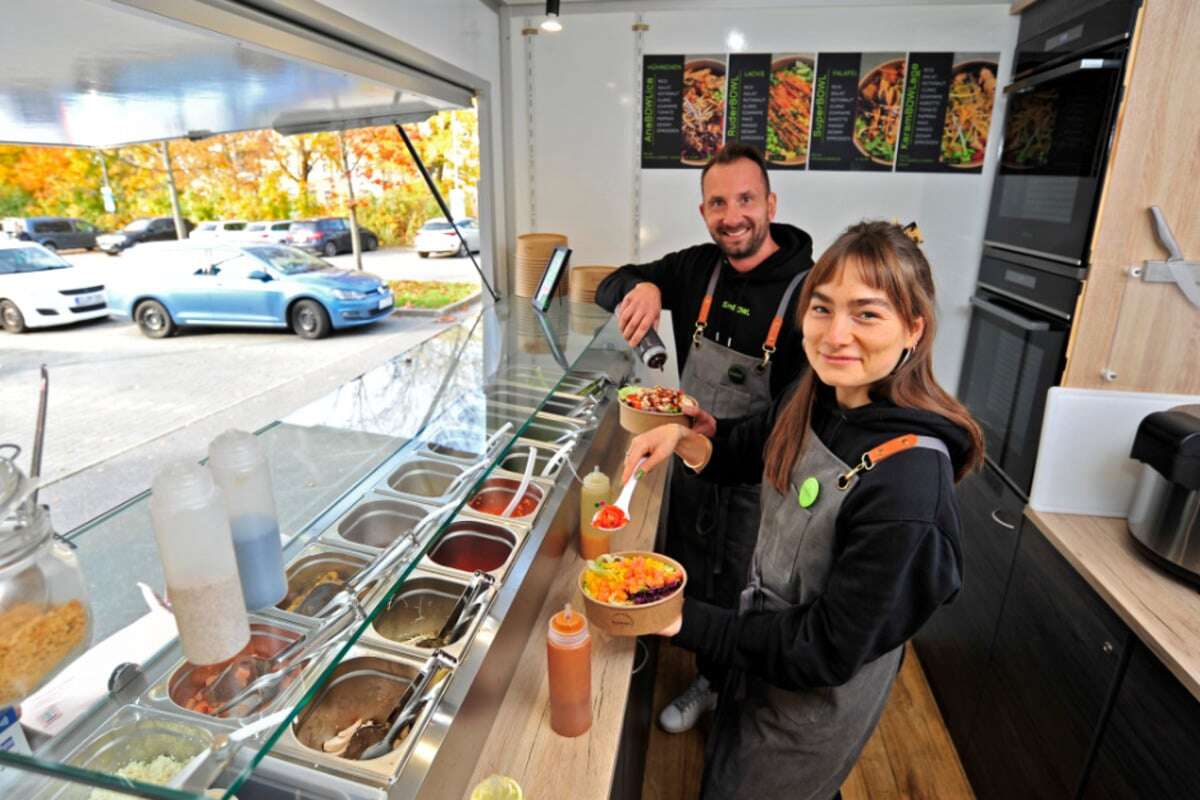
682	712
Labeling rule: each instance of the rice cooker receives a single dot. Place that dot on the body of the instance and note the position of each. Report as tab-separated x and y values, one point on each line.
1164	516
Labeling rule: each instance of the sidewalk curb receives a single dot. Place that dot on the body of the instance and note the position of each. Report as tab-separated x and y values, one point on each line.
458	305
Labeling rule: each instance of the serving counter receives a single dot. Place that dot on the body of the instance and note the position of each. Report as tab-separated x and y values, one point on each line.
418	460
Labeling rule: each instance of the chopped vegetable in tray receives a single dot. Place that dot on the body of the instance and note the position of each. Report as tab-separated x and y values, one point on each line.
630	580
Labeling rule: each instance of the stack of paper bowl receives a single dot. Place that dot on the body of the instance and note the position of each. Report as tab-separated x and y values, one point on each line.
584	281
533	253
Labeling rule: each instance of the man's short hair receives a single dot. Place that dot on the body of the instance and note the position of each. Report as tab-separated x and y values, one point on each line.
735	151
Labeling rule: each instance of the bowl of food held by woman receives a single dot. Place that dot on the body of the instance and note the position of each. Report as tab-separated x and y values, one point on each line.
646	407
632	593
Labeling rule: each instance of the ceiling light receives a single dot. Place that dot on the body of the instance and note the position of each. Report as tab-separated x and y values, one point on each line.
551	23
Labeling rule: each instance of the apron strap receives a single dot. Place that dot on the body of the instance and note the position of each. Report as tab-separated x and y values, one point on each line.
777	323
888	449
706	305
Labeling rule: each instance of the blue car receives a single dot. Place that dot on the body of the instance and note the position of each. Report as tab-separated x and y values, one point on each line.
270	286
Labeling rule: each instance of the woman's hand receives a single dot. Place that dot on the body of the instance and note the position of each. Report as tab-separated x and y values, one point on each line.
703	422
672	629
655	445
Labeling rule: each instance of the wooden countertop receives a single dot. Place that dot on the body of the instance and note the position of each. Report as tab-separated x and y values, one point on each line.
521	744
1163	610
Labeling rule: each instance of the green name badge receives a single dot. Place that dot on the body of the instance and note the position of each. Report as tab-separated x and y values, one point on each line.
808	492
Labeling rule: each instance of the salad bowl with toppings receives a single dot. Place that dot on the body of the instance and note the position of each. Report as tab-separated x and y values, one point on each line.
632	593
646	407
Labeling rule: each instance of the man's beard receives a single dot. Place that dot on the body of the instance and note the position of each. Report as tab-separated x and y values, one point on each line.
758	235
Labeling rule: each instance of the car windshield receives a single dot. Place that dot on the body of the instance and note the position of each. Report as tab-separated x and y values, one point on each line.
137	225
28	259
436	225
256	226
288	260
303	226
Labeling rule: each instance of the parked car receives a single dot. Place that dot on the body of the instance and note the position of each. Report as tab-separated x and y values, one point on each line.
257	285
328	236
39	289
52	233
147	229
438	236
218	229
273	231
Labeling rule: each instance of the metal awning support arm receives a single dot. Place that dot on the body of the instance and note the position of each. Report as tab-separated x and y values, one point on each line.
437	195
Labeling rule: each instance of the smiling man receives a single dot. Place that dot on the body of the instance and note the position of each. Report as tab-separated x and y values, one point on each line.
723	299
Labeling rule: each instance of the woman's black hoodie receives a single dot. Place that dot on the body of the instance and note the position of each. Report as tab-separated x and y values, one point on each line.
897	552
744	303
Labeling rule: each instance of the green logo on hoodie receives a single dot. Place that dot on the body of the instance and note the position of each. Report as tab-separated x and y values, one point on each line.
735	308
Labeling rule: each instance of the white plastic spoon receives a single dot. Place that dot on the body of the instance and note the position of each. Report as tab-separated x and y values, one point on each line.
223	742
529	464
624	498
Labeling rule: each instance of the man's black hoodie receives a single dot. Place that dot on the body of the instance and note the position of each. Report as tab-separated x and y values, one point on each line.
743	303
897	555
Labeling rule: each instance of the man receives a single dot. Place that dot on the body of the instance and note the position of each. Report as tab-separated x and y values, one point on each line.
724	298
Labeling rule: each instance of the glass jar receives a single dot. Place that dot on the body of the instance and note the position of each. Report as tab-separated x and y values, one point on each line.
45	622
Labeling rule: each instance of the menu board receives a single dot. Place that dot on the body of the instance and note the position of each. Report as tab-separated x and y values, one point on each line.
907	112
683	110
947	112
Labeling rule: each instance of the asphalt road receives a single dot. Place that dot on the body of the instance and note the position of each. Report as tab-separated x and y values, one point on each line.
122	404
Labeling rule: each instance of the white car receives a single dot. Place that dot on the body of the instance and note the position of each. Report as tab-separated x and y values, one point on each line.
226	229
437	236
266	232
39	289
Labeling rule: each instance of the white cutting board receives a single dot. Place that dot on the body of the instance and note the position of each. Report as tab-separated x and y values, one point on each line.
1083	464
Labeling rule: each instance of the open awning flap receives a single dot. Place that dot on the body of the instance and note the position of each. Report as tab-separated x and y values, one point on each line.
100	73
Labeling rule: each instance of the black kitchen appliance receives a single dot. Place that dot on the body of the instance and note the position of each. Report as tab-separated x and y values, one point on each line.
1164	516
1061	110
1058	126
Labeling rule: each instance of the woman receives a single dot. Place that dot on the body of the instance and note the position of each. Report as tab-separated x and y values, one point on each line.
859	536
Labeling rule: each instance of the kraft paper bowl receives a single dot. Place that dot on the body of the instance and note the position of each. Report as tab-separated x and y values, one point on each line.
637	421
630	620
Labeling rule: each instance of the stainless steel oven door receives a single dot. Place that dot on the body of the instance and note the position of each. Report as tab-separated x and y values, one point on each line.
1014	355
1057	128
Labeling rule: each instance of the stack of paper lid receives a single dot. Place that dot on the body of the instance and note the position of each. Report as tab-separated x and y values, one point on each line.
584	281
533	253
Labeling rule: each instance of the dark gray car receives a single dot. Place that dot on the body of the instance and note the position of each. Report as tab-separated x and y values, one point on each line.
53	233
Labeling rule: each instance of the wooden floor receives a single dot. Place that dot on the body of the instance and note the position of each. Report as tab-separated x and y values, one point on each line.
910	756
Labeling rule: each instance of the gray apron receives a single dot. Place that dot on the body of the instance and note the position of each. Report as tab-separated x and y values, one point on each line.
712	528
769	742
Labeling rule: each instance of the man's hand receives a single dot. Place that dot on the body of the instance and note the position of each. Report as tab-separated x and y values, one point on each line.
639	311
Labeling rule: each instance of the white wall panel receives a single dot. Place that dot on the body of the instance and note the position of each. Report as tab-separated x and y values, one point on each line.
585	137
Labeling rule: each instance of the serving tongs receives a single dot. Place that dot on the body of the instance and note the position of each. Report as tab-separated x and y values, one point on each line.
246	670
260	693
409	707
468	606
325	597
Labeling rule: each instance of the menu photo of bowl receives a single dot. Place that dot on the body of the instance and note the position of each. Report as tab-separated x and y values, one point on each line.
878	112
789	112
969	103
703	108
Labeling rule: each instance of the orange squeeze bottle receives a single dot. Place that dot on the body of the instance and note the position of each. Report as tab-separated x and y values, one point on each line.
569	660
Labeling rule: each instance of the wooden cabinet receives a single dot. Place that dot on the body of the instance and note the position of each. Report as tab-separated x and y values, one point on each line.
955	644
1054	663
1148	748
1146	332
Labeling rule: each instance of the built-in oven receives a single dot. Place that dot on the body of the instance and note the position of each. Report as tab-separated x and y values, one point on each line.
1059	120
1016	346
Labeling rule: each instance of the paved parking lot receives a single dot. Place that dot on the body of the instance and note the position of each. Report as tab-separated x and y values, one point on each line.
121	404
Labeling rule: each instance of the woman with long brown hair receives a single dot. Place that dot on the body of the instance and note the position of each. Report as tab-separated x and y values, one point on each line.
859	536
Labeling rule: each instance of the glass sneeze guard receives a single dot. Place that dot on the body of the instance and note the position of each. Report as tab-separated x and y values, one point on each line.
325	458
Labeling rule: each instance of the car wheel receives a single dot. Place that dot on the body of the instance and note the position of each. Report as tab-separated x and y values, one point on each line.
330	250
310	320
51	246
372	244
11	317
423	254
154	319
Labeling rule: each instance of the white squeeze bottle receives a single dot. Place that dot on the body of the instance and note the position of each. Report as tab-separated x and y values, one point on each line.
196	549
239	466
